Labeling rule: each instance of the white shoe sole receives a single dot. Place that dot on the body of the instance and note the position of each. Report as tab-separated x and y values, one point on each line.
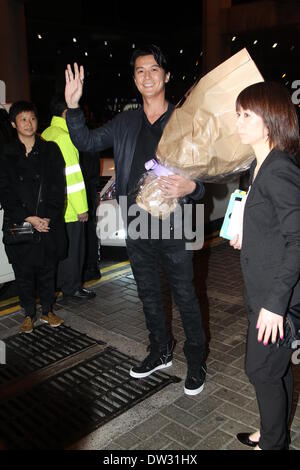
137	375
52	326
187	391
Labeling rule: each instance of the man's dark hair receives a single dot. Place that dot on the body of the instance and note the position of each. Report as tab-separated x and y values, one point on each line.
150	49
58	105
21	107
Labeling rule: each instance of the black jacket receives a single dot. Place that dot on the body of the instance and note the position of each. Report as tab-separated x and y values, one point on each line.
20	178
121	133
270	254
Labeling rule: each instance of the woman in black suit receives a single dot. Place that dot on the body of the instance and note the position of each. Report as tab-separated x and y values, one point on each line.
270	253
24	163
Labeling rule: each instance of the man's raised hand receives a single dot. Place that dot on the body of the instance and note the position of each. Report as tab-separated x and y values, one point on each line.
74	85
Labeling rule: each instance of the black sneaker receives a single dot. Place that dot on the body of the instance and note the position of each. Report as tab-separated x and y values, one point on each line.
195	381
83	293
156	360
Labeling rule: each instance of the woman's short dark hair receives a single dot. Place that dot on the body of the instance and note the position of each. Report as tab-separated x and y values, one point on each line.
150	49
272	102
21	107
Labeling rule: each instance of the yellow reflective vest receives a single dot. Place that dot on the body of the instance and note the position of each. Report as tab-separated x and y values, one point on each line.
76	192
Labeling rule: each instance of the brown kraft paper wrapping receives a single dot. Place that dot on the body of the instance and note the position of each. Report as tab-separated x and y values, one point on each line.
200	138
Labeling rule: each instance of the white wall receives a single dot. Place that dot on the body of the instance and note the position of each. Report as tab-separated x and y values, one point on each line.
2	91
6	271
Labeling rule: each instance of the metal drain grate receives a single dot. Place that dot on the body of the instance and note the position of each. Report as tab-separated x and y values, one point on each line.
71	404
43	347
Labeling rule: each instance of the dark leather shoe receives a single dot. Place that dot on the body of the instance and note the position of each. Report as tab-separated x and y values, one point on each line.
83	293
243	437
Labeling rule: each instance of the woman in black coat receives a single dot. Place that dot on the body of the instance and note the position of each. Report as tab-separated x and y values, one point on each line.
270	253
26	164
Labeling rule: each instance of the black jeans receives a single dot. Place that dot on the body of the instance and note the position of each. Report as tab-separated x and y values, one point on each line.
269	371
177	262
30	279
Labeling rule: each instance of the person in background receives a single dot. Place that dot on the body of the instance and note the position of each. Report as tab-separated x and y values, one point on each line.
270	253
90	167
28	163
6	129
134	136
70	270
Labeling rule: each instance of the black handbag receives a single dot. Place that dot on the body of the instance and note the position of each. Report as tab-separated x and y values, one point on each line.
23	232
291	328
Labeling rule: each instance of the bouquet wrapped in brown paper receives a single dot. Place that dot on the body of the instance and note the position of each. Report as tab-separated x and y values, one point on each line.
200	138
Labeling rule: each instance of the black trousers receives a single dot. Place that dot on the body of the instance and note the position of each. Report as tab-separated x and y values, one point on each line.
91	260
32	279
269	370
177	262
69	273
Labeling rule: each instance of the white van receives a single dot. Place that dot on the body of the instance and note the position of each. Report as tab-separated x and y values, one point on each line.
110	227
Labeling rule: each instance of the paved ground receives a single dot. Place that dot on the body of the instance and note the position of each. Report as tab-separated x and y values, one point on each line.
169	419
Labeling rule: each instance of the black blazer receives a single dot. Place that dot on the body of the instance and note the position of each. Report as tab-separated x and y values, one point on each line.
19	186
270	254
121	133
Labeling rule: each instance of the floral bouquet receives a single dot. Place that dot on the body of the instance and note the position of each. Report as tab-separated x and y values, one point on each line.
200	139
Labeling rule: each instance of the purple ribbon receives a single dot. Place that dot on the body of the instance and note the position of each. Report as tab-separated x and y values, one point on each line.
158	170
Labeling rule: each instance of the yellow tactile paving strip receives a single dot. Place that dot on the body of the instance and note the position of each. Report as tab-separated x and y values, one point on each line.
12	305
